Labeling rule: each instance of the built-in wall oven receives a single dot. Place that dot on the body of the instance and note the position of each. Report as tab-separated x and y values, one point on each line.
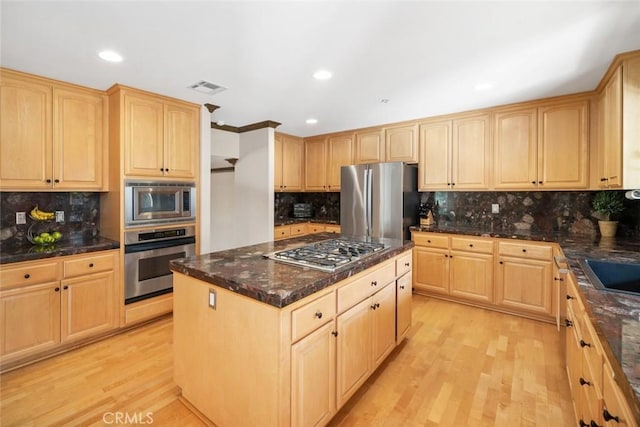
146	260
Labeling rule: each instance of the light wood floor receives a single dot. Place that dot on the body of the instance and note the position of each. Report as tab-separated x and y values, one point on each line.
459	366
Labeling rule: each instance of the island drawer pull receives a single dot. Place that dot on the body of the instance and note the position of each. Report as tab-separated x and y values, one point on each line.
318	314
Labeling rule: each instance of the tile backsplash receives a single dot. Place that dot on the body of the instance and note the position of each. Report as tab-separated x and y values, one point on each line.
81	214
325	206
548	211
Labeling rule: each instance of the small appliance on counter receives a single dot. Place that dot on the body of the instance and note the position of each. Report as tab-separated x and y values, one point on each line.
302	210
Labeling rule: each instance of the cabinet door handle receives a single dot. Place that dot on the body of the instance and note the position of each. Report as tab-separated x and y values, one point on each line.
56	180
453	183
401	286
334	333
559	279
524	250
90	265
594	424
374	283
428	241
26	276
48	181
568	323
570	297
57	289
65	287
608	417
319	315
533	182
406	264
501	262
584	382
583	344
539	182
470	245
604	179
373	306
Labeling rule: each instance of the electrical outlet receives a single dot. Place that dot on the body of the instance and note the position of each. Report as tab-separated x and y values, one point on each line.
495	208
21	218
59	216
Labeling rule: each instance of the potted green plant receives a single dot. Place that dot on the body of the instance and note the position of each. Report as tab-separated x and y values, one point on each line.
608	204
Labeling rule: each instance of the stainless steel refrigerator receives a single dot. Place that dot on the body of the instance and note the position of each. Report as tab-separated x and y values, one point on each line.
379	200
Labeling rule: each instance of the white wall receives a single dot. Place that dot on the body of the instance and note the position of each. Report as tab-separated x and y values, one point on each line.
204	208
242	201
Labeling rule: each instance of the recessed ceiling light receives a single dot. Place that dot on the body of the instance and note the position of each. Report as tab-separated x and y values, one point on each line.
322	74
311	121
110	56
484	86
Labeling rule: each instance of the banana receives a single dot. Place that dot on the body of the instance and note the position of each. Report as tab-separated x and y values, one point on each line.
39	215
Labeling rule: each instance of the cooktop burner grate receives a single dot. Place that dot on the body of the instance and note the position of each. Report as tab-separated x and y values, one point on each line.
327	255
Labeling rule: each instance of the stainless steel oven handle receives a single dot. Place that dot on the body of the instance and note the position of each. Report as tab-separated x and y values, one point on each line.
149	246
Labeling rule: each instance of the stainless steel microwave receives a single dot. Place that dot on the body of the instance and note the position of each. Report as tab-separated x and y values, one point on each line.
153	203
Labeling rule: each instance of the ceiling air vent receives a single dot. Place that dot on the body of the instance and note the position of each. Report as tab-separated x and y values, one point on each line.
207	87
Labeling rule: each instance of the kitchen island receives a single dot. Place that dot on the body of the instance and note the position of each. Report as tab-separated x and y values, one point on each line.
260	342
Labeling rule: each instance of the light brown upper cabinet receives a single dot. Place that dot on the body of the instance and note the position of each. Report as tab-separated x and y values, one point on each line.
455	154
369	147
160	135
340	153
289	154
618	162
402	144
315	166
543	147
610	154
323	159
53	136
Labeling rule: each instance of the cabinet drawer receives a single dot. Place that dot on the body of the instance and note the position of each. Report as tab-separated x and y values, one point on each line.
315	228
88	265
523	250
593	352
298	229
472	245
614	401
29	275
332	229
364	286
281	232
431	240
311	316
404	263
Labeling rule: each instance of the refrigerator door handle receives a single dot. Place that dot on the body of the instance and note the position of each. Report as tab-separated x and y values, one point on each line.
367	200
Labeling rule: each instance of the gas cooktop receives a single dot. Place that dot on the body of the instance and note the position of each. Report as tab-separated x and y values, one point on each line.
327	255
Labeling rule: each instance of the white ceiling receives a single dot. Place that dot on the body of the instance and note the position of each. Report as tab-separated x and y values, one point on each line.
424	57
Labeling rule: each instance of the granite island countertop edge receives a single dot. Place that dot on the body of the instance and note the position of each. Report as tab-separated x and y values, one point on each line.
263	289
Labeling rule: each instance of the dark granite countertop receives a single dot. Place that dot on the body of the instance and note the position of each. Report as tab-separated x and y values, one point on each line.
616	316
246	271
28	252
289	221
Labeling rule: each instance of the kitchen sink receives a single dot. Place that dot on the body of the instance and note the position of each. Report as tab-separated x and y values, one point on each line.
613	276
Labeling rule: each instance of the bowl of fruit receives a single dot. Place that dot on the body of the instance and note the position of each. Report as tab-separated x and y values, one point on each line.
44	238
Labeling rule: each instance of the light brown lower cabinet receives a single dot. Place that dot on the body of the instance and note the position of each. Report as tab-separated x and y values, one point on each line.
457	267
296	230
508	275
313	378
597	398
47	304
313	354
